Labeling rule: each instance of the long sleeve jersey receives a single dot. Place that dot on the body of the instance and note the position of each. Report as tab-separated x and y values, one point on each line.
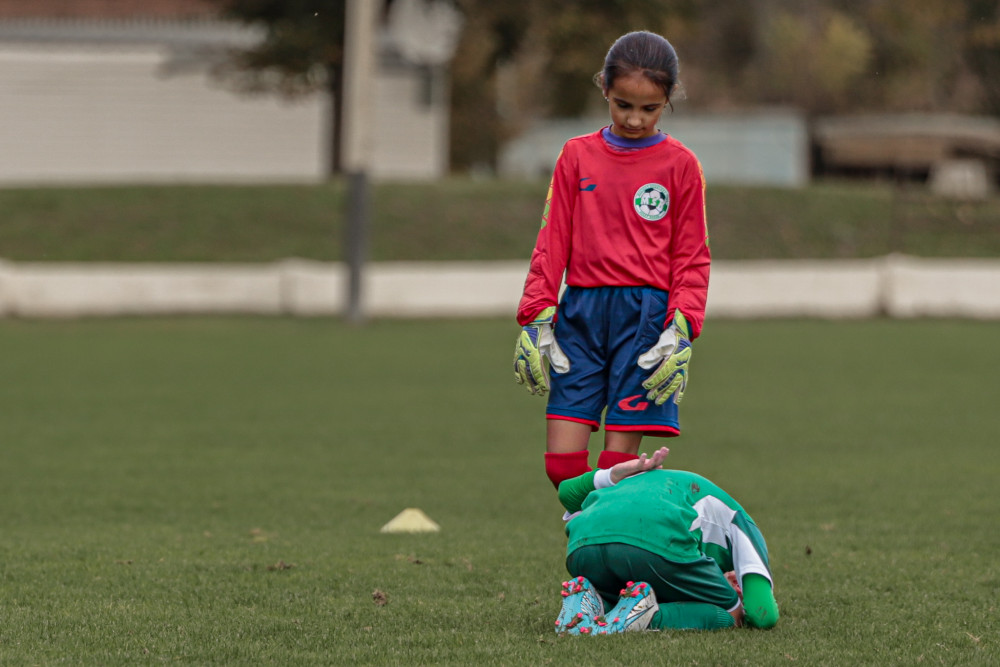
623	218
679	515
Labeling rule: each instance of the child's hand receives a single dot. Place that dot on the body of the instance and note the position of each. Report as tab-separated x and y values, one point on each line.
536	351
642	464
670	356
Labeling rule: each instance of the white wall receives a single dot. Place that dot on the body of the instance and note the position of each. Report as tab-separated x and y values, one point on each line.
91	113
410	136
903	287
98	115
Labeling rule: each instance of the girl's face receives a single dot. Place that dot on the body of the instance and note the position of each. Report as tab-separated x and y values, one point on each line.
636	104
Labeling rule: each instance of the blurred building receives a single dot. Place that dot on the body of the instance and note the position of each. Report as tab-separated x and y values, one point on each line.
956	155
100	91
764	147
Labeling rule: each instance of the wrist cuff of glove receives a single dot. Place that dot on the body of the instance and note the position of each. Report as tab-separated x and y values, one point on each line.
682	324
545	316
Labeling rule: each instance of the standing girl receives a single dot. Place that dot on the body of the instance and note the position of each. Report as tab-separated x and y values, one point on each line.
624	226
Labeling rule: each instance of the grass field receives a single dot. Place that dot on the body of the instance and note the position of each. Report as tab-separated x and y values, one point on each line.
210	491
460	219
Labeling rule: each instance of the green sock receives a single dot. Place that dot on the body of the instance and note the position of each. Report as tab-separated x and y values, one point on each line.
691	616
758	602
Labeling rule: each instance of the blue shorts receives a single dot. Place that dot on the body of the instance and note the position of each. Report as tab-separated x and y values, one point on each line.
603	330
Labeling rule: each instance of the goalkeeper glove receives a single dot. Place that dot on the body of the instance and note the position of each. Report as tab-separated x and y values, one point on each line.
537	341
673	353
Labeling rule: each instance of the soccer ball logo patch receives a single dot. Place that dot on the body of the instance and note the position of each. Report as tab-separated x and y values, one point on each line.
652	201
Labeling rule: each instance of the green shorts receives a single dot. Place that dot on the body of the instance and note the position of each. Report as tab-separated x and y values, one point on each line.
610	567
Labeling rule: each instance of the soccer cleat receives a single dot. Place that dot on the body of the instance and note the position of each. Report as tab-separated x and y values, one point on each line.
581	608
634	611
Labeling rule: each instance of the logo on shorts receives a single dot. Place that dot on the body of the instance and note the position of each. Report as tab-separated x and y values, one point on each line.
630	403
652	201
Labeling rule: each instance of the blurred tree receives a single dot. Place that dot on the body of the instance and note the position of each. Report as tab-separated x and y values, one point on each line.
916	63
717	45
302	51
521	59
539	56
811	60
982	49
493	34
578	35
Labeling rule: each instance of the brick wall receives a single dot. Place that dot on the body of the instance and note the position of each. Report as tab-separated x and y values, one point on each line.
107	9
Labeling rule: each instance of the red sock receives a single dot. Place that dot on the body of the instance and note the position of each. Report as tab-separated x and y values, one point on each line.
566	466
609	458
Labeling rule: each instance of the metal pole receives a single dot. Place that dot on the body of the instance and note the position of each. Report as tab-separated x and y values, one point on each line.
359	70
357	242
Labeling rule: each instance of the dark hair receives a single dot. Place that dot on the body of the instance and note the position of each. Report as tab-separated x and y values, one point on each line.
644	52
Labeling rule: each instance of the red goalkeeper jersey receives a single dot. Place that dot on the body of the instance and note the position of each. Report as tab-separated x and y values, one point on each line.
623	218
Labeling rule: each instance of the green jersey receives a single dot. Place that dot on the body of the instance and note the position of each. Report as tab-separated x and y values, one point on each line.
675	514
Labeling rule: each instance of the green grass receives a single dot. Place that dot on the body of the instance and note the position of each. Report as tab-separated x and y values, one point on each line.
210	491
460	219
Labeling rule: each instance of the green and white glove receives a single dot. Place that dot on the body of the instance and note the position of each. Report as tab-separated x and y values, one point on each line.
672	353
537	343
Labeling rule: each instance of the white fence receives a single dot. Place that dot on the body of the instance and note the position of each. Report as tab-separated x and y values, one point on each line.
896	286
